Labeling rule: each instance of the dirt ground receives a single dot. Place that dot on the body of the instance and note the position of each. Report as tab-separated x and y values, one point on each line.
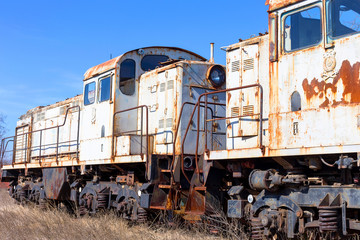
20	223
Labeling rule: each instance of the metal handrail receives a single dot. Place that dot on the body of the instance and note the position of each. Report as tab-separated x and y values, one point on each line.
198	120
175	138
141	138
13	139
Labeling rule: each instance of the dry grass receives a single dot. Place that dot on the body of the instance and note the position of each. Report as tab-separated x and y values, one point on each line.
20	223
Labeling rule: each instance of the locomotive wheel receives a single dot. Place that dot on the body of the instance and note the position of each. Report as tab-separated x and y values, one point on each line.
86	205
129	209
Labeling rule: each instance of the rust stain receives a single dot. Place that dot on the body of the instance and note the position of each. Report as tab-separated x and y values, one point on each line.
276	4
344	89
229	97
106	66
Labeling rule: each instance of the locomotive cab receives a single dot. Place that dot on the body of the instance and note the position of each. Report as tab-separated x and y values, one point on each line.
113	87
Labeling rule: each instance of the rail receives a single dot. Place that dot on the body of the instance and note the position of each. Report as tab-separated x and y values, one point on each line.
142	107
41	147
206	120
176	134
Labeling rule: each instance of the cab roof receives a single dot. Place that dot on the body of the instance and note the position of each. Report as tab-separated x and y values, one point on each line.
111	64
276	4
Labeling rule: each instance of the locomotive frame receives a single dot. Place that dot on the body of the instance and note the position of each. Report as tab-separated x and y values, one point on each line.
277	148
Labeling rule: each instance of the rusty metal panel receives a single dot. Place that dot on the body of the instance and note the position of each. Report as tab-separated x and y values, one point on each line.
101	68
249	97
233	98
276	4
243	133
55	184
130	145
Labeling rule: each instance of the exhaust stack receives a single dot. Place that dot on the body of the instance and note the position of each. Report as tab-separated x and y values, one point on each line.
211	53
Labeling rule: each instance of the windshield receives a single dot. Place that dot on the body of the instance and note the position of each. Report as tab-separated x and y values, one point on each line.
343	17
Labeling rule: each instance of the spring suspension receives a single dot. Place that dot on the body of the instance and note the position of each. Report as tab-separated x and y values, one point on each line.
43	204
329	219
141	215
102	200
84	205
83	210
22	196
257	229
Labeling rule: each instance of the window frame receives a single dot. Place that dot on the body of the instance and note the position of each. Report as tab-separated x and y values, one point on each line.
329	38
95	92
99	88
297	10
134	80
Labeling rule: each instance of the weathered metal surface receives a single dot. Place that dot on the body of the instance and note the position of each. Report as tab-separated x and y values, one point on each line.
101	68
55	183
276	4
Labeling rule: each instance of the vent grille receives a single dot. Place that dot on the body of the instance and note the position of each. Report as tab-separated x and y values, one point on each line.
161	123
248	110
248	64
235	112
62	110
169	122
40	116
235	66
162	87
170	84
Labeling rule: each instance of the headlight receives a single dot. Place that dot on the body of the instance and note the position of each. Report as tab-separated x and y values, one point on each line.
250	198
216	75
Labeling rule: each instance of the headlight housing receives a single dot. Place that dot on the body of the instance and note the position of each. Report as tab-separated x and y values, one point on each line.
216	76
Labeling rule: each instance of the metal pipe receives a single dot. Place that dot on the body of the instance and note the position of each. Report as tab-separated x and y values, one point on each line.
225	118
14	150
221	91
40	148
184	138
26	138
175	139
78	137
147	132
57	146
205	123
147	142
44	129
141	139
211	53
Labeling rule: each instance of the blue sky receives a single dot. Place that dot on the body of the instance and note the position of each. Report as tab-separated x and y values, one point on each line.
46	46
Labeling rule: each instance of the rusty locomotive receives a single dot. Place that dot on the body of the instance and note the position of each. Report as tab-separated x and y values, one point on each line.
276	147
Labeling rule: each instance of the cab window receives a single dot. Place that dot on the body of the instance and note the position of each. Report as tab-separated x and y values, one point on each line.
127	77
104	89
150	62
89	95
302	29
343	17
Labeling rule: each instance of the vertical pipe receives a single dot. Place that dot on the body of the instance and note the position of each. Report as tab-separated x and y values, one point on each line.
112	139
78	135
197	136
211	53
261	118
205	122
26	140
14	150
1	153
57	146
141	129
147	139
40	147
